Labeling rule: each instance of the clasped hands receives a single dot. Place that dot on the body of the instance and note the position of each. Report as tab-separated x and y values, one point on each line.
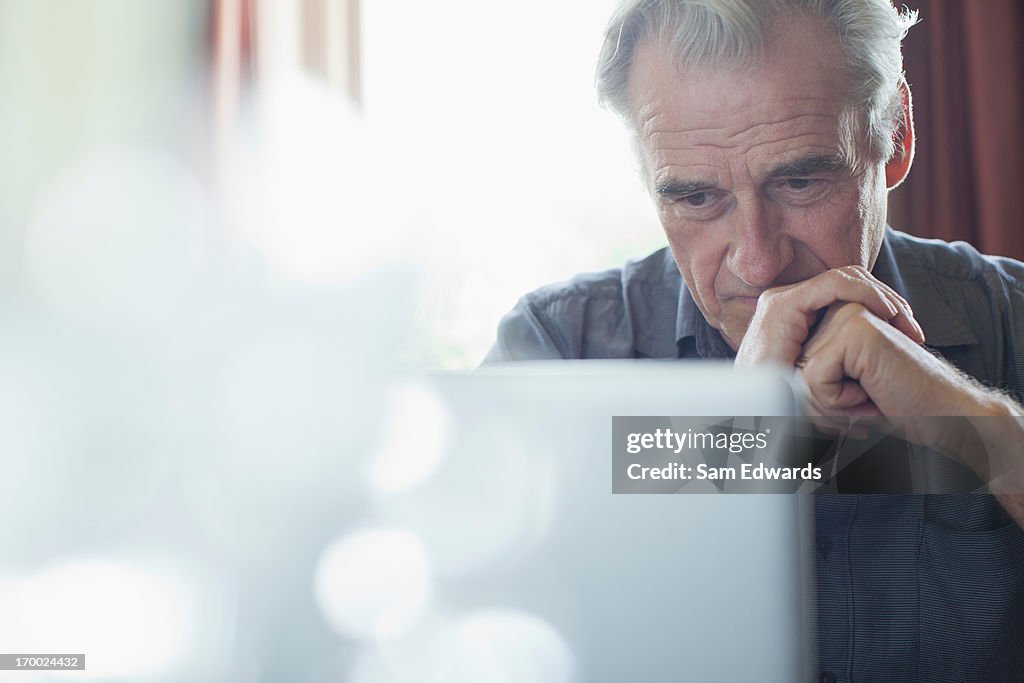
859	351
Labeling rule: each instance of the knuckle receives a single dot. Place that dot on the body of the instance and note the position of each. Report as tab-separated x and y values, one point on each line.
843	276
848	314
770	298
861	319
858	275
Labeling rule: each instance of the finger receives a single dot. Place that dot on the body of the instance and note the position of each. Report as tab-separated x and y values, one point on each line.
831	286
824	375
866	409
785	316
904	319
908	325
863	409
776	334
846	394
834	393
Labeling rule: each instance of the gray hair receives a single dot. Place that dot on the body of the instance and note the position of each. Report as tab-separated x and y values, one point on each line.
733	32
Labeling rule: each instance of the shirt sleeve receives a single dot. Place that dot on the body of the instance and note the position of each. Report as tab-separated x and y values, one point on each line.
1013	361
523	336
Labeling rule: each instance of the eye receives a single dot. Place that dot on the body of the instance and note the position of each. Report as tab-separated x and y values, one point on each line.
801	191
696	199
698	204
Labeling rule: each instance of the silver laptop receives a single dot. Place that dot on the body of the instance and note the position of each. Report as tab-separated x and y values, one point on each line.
491	550
543	574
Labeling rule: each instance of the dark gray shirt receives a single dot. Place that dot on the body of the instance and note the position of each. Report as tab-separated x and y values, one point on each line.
910	587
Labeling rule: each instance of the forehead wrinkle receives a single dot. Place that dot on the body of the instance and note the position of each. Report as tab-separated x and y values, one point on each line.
781	122
796	148
725	174
740	142
688	166
733	132
673	172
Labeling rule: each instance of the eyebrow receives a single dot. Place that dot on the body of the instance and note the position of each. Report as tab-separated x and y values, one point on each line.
673	187
808	166
818	163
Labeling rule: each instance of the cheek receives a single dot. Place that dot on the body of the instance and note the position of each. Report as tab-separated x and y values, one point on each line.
833	232
699	252
873	218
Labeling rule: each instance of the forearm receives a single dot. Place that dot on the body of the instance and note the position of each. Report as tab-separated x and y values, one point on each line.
988	437
1002	434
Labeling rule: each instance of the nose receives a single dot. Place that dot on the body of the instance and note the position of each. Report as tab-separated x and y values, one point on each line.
760	250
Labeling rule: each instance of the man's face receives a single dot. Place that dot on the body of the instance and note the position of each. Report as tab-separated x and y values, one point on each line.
746	171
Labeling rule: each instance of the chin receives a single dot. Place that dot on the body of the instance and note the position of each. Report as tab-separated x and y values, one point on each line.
733	341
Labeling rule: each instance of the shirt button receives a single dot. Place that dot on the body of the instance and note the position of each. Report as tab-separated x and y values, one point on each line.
824	547
827	677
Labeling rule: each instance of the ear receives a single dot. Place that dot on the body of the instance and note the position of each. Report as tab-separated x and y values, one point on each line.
897	168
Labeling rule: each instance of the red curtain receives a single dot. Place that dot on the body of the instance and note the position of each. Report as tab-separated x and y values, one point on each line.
965	65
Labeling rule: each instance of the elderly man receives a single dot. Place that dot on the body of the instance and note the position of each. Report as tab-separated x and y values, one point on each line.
769	133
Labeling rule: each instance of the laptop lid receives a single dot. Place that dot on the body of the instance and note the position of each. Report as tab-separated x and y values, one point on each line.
541	571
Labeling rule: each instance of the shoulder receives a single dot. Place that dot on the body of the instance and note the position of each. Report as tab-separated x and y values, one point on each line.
614	286
591	315
970	305
958	262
